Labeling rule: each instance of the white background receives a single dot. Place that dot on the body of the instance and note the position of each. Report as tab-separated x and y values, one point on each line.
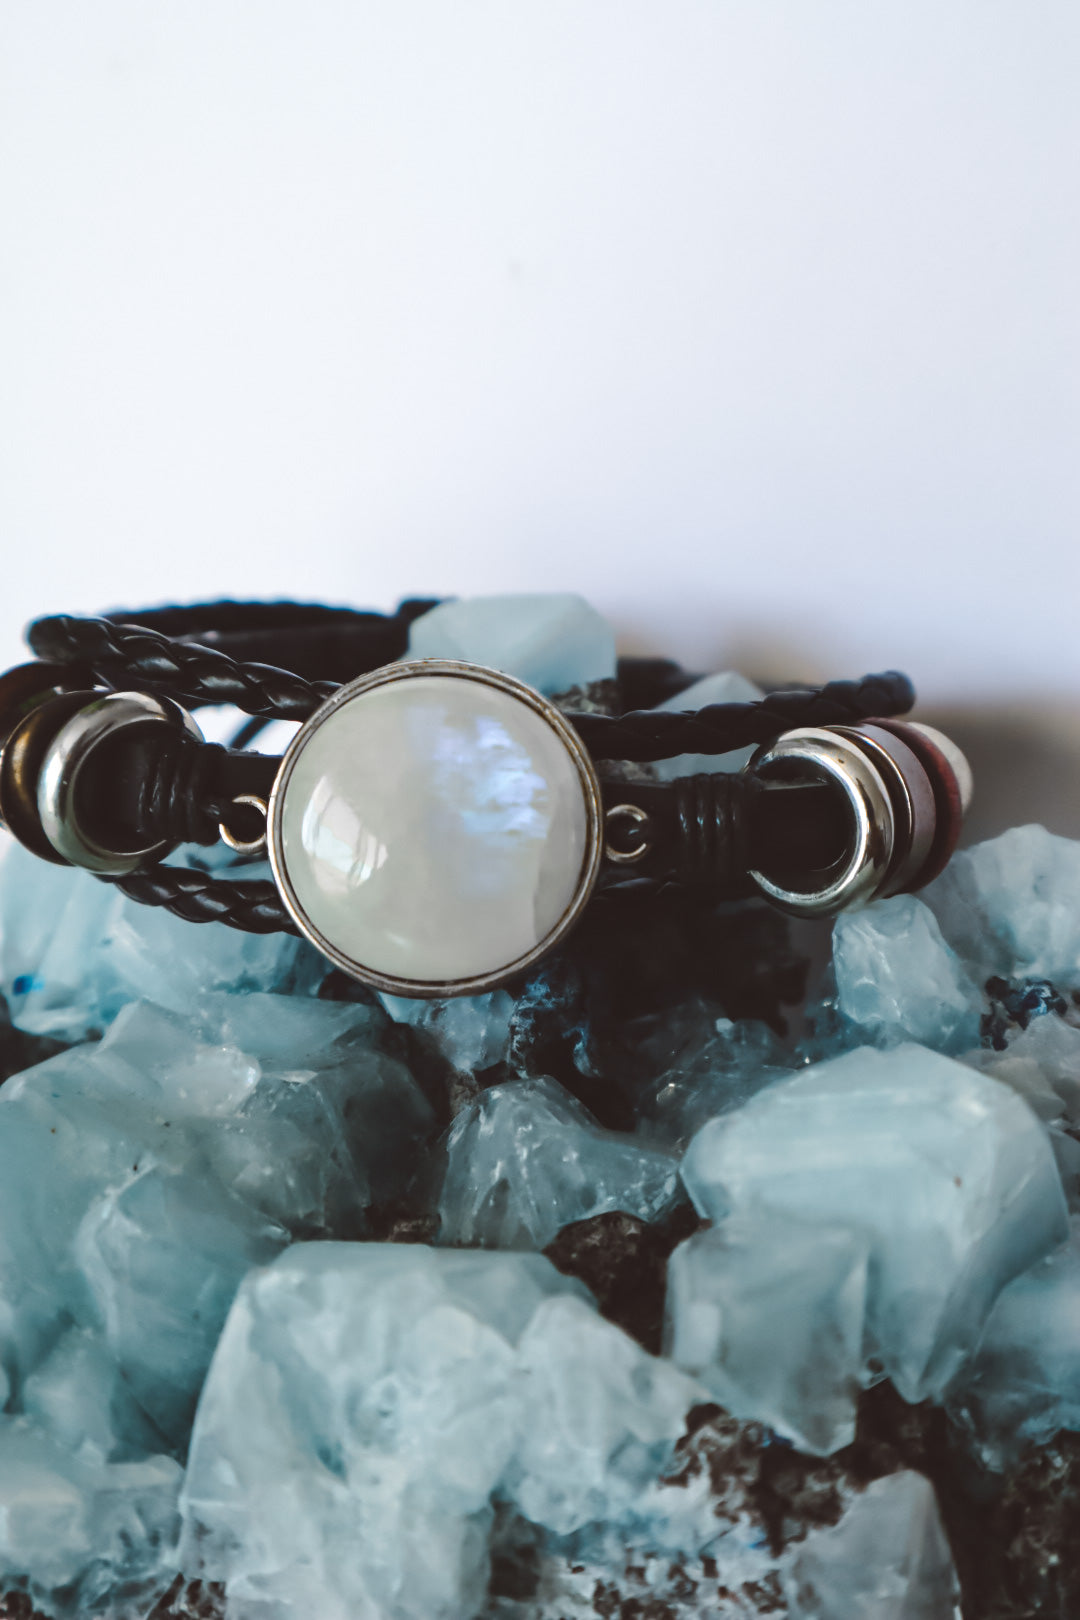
755	321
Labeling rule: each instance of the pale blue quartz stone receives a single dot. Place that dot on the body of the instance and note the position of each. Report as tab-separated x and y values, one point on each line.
888	1558
600	1419
526	1159
1023	1384
88	1537
74	950
897	979
1042	1065
947	1173
1011	906
141	1175
161	1259
717	1068
728	686
770	1318
366	1404
553	642
471	1032
79	1397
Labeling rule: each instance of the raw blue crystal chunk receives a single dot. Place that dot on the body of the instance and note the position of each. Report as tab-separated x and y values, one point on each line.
716	1068
770	1319
367	1401
553	642
79	1397
1023	1384
1051	1048
897	980
1011	906
73	951
334	1125
471	1032
526	1158
948	1174
141	1175
1042	1064
82	1531
599	1418
162	1258
726	687
887	1559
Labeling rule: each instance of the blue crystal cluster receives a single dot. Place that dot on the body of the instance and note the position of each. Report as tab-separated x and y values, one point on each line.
538	1306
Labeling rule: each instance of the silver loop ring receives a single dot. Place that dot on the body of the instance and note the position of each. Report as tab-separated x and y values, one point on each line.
71	748
249	846
638	818
858	877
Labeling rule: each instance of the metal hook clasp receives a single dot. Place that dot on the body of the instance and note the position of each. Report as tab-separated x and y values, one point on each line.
246	846
639	819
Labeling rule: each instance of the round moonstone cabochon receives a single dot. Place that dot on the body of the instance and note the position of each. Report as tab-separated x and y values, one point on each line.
432	824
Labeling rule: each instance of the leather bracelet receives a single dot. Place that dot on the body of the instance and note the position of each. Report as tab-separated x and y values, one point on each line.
436	828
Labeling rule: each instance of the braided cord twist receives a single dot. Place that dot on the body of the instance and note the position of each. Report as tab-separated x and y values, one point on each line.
199	897
147	660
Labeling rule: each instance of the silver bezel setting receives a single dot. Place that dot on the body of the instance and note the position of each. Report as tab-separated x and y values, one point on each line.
419	669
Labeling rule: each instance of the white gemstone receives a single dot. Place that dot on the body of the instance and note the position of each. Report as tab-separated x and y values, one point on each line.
433	828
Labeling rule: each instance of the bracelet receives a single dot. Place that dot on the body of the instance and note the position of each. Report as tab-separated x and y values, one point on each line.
437	827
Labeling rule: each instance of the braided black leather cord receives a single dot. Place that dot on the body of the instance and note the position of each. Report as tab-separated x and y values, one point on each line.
129	650
183	651
254	907
648	734
140	659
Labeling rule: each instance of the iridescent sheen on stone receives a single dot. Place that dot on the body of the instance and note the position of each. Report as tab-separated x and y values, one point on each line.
432	829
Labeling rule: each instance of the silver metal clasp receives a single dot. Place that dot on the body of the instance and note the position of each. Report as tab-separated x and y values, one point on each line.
905	789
